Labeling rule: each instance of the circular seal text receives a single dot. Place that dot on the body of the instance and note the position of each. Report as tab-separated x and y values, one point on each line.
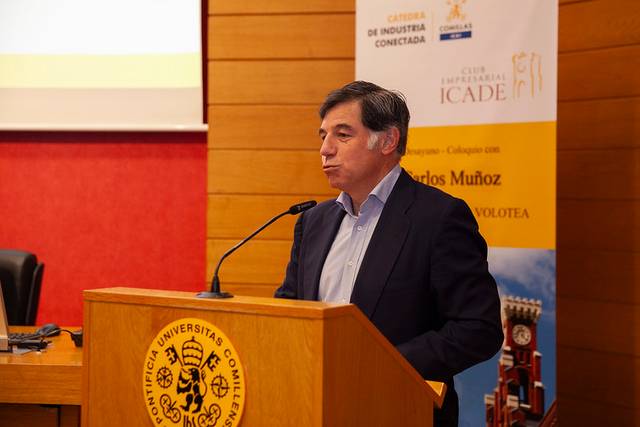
192	377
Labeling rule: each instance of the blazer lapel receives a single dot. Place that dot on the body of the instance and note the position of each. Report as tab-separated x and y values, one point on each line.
385	246
319	243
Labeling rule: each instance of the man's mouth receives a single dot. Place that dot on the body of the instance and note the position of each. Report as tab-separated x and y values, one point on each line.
329	167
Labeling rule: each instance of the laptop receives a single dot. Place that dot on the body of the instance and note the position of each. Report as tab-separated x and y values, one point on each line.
30	341
4	327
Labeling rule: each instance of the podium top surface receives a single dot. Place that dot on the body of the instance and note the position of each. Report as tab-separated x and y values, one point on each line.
237	304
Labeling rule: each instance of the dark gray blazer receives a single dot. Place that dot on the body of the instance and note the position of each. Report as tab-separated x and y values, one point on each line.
424	279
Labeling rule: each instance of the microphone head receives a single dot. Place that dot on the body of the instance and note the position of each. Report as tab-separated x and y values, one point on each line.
301	207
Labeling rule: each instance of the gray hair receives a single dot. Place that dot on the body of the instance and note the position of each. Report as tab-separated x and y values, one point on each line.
381	109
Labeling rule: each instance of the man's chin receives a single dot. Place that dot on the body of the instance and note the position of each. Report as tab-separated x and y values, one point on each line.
334	183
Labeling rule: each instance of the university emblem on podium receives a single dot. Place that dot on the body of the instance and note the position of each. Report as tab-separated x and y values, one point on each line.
192	377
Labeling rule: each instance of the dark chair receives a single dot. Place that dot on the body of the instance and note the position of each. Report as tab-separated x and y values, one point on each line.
21	278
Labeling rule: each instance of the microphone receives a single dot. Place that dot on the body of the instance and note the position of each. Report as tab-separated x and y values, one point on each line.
215	283
299	208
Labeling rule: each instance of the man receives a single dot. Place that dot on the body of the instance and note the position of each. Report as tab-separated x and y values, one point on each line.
408	255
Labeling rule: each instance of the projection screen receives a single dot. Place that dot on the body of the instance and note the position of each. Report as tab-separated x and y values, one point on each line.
89	64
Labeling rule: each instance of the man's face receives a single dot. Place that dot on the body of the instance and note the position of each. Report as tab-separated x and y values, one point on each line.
346	159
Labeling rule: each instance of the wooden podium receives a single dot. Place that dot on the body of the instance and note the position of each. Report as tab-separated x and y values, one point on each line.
305	363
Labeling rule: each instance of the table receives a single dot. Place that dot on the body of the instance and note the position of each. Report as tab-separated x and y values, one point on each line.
51	377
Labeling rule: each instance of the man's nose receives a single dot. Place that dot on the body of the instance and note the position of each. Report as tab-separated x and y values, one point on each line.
328	147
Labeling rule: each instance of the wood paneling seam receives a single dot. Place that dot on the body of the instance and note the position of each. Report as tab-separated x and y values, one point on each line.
591	300
559	345
598	199
584	399
594	98
595	49
568	101
596	149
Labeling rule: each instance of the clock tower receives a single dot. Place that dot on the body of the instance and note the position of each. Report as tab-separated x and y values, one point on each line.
518	400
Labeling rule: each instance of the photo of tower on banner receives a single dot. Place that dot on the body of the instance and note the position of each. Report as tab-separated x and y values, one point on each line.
480	78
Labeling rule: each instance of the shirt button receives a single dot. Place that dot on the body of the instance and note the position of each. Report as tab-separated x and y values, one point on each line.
350	263
359	228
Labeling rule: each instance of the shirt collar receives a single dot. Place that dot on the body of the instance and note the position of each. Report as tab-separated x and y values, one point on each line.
380	191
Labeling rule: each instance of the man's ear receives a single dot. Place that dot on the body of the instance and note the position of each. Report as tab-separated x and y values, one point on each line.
391	137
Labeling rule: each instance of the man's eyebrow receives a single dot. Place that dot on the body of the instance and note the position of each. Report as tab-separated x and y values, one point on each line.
343	126
339	126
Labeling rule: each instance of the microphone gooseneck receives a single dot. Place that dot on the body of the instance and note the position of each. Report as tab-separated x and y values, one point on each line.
215	282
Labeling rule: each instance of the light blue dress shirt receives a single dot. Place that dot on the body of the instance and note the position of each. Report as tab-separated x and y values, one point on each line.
350	244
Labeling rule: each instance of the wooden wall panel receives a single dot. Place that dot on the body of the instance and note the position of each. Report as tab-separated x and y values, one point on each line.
599	74
598	309
616	328
236	216
601	174
601	275
598	376
266	172
281	36
602	123
277	82
612	225
617	24
259	261
596	413
264	127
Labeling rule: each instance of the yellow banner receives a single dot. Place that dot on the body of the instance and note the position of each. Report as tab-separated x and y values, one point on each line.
505	172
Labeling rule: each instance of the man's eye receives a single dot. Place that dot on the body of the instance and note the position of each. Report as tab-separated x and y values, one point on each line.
343	135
